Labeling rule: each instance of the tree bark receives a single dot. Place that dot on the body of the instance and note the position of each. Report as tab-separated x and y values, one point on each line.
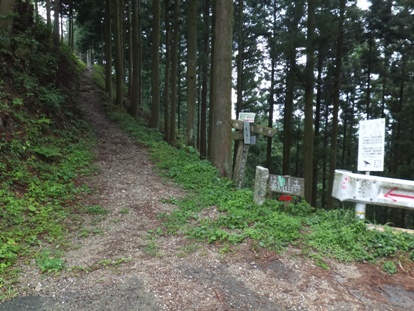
56	25
130	51
337	85
174	75
119	57
136	59
222	84
155	67
108	50
271	110
167	72
317	122
203	112
309	84
191	71
48	14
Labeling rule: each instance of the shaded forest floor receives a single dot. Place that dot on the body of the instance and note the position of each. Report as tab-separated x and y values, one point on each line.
116	261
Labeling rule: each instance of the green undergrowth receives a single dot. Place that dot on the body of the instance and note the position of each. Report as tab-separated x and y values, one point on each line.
44	148
214	211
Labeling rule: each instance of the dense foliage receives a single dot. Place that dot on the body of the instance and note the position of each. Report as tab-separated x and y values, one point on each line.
347	63
44	147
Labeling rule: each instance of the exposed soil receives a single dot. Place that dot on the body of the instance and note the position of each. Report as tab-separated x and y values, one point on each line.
114	264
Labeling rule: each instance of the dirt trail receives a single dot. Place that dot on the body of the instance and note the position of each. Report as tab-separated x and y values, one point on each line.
114	264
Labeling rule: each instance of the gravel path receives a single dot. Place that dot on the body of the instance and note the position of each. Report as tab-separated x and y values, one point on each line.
115	264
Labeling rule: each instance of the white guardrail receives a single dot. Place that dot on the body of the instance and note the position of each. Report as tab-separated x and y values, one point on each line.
375	190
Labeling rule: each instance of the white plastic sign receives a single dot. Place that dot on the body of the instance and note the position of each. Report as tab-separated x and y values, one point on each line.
371	145
247	116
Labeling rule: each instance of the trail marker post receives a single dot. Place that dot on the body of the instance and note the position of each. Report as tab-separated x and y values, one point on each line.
243	134
371	143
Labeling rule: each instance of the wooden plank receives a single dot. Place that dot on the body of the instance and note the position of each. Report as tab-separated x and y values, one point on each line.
238	135
254	128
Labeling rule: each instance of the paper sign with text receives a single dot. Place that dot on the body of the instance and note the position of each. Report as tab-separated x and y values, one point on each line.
371	145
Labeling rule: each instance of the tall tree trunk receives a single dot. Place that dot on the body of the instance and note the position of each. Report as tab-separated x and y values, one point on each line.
70	26
222	80
191	71
48	14
211	111
317	138
203	112
155	67
130	50
370	43
239	68
271	110
309	84
174	74
6	12
136	59
335	101
167	72
56	24
61	27
119	56
272	90
239	60
288	112
108	50
36	3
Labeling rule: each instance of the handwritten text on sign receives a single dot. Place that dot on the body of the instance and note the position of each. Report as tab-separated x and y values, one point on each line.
287	184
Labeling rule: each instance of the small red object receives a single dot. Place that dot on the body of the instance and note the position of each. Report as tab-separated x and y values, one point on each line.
285	198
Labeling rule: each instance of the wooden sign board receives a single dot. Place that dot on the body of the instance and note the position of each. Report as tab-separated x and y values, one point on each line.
287	185
254	128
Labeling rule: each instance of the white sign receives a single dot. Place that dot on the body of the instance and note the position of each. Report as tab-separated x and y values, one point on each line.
247	116
371	145
374	190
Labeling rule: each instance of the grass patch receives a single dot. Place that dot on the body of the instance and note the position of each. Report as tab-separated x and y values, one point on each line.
49	261
96	210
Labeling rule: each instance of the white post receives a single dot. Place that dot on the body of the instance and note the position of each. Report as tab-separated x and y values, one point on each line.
360	210
361	207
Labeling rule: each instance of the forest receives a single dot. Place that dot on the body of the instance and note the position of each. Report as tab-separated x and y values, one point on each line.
311	69
164	79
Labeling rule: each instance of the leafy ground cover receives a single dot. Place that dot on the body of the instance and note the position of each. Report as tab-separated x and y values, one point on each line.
44	147
215	211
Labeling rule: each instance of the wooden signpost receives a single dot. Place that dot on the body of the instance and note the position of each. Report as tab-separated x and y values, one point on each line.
243	135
